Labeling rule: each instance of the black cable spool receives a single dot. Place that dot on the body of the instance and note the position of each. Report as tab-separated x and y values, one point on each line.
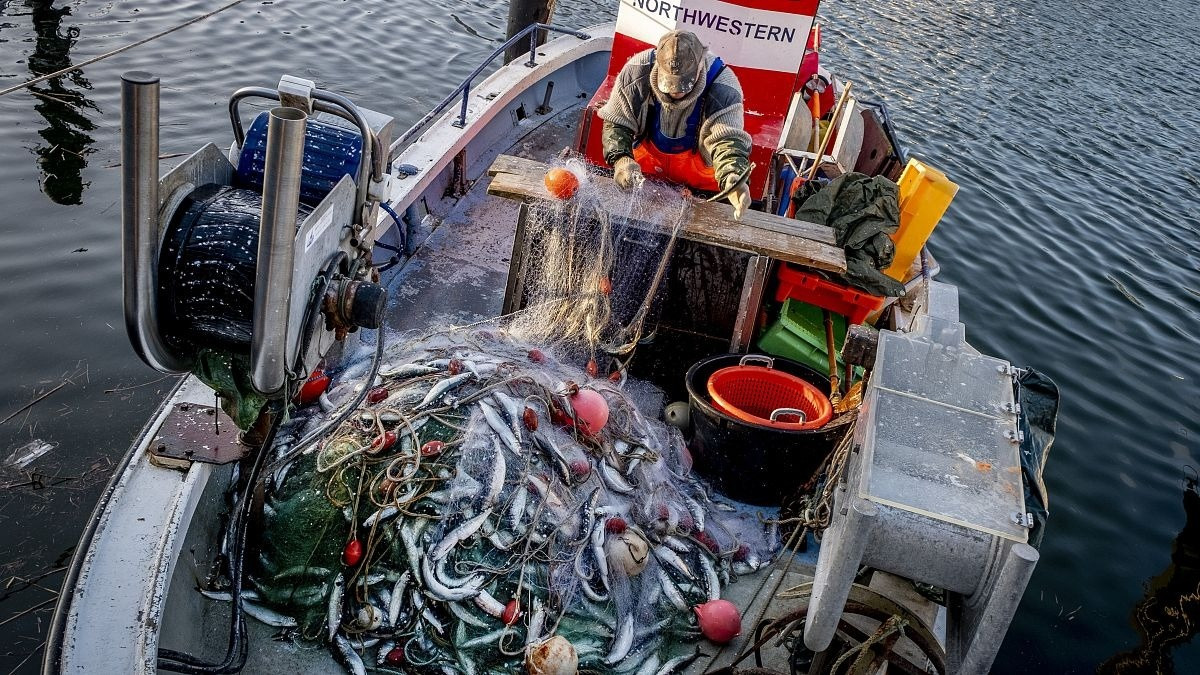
207	269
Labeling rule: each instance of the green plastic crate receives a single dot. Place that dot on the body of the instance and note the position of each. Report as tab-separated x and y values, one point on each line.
799	335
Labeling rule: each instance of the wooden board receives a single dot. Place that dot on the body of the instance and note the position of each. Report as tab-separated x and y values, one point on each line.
793	241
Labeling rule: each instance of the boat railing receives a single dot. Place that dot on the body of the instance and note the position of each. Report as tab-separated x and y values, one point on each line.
463	91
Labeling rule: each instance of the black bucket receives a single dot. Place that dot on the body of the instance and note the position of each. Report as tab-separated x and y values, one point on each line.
748	462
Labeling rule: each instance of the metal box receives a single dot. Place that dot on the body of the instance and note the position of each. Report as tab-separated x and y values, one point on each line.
933	489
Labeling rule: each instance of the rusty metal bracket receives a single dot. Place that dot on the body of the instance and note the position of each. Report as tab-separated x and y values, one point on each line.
196	433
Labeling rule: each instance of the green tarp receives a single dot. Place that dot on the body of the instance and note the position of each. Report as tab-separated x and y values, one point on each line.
862	211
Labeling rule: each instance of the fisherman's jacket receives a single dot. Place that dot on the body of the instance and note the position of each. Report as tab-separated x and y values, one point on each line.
628	116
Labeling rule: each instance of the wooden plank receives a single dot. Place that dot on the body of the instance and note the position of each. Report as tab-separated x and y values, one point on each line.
715	225
850	137
521	178
805	244
749	304
518	264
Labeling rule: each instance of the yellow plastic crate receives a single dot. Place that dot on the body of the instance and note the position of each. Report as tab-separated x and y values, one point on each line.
925	194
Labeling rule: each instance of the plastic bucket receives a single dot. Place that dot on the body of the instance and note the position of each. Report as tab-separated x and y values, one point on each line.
749	462
767	396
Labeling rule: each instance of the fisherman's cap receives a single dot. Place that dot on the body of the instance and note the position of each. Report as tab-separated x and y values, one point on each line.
679	56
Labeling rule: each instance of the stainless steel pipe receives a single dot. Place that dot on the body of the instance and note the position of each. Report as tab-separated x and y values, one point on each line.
139	220
276	248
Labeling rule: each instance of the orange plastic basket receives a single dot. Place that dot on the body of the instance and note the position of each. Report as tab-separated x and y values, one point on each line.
765	396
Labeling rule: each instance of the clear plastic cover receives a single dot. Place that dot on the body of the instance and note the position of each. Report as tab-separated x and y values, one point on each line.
939	438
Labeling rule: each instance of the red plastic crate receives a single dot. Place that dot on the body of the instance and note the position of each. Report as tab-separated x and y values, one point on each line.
853	304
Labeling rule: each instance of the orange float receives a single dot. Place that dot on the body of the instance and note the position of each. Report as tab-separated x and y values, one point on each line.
561	183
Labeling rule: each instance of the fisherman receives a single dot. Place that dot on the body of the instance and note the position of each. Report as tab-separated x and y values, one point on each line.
676	113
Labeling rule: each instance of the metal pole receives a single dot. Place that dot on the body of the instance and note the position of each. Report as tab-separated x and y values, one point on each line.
276	250
521	13
139	219
1000	609
837	564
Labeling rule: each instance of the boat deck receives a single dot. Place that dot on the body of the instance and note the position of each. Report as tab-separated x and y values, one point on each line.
457	276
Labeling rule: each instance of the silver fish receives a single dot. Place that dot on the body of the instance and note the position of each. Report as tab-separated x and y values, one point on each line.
468	589
516	510
499	471
671	558
405	397
268	616
353	661
460	533
671	590
226	596
499	427
712	582
487	638
613	479
598	532
696	510
536	620
381	515
333	618
649	666
403	372
465	617
551	451
397	600
676	663
622	642
514	410
442	387
489	604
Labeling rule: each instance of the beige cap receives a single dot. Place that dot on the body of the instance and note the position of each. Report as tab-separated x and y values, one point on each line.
679	57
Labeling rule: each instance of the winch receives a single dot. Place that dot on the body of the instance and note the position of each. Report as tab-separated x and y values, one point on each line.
247	267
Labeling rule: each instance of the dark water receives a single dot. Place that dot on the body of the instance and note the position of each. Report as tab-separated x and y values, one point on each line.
1075	240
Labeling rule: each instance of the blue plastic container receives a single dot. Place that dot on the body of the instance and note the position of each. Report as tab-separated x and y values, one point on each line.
330	152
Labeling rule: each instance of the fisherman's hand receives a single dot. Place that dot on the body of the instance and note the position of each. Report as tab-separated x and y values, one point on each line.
740	199
628	174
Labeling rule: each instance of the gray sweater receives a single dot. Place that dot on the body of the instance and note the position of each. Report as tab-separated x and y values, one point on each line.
723	143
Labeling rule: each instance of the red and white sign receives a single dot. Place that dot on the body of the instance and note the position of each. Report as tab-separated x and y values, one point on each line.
766	35
762	41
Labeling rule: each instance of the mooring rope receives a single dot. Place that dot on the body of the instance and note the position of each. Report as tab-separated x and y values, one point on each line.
68	69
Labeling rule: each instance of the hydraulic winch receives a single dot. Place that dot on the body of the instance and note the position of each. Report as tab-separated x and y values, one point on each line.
247	267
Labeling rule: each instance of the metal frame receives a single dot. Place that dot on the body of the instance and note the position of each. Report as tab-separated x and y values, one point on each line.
463	90
140	221
374	159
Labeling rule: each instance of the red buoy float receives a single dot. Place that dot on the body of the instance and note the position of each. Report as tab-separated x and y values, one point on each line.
561	183
353	553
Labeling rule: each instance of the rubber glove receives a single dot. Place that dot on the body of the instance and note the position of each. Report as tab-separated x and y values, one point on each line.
740	199
628	174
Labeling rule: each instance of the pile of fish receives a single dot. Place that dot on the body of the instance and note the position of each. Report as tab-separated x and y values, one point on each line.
489	509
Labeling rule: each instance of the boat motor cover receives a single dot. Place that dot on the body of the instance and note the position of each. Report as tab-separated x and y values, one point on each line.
1039	398
863	211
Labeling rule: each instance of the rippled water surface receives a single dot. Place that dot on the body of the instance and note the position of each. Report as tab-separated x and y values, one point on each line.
1071	127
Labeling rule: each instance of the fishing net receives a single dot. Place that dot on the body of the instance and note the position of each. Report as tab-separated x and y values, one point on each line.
498	493
595	266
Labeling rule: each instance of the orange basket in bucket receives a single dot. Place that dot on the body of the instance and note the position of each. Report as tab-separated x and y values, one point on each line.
765	396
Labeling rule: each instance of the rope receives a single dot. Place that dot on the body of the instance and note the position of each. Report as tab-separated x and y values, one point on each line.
893	625
114	52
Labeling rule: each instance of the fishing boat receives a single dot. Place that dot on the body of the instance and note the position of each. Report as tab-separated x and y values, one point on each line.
432	227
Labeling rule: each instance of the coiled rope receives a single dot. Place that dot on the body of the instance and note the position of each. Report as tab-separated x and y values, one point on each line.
69	69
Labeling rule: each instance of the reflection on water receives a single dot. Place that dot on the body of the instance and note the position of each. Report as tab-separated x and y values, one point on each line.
63	157
1165	617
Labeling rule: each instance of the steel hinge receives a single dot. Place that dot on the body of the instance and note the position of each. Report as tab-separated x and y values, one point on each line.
1014	435
1011	407
1024	520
